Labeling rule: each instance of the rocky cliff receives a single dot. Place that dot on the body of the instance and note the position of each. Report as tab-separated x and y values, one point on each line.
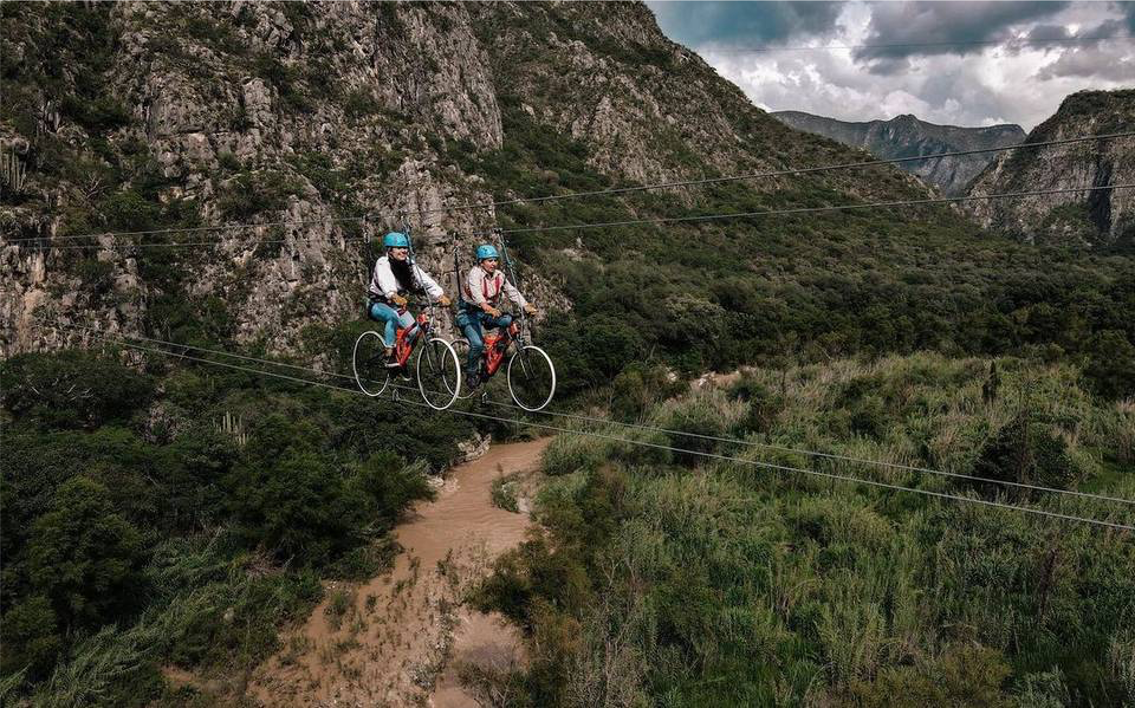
1100	218
907	136
299	118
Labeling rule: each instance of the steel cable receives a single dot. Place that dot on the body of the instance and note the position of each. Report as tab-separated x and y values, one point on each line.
641	443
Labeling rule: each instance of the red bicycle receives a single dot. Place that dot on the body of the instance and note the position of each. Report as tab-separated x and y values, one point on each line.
530	374
437	369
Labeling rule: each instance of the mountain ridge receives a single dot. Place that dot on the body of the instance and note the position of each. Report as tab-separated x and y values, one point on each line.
1101	218
252	113
907	135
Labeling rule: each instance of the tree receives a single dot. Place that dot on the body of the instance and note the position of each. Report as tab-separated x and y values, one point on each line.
83	556
1111	365
298	507
31	638
72	389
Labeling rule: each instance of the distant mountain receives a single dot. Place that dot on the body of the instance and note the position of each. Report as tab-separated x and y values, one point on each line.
1098	218
907	136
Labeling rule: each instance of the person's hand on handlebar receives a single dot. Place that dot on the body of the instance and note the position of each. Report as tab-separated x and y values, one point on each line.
444	300
530	309
399	300
489	309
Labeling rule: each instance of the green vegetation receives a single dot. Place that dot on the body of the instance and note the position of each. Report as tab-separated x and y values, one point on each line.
779	290
143	527
684	581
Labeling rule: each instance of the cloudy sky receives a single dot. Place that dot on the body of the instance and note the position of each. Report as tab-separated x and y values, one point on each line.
960	63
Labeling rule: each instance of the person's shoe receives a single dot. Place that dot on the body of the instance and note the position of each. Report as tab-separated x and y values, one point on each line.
391	360
474	381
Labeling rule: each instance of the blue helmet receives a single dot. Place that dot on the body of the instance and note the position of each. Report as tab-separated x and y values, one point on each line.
486	250
395	240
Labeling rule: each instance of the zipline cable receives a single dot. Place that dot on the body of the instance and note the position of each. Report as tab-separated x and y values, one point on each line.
579	195
801	210
778	173
831	456
912	45
670	219
642	443
604	421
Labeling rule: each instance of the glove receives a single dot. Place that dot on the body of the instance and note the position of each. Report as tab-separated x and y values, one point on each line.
530	309
444	300
399	300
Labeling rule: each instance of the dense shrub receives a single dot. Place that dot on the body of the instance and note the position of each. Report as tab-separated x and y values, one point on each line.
1028	453
708	584
1111	365
84	557
72	389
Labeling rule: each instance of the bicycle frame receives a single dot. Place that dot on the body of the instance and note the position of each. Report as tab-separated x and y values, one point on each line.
404	343
497	344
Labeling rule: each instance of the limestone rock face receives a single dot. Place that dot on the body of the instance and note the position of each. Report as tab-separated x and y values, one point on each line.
336	108
1090	219
256	136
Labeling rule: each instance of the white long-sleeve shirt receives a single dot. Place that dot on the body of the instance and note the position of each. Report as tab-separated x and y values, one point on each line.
383	284
480	287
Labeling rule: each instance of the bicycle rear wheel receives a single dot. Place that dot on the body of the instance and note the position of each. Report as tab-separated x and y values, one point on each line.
531	378
369	363
439	373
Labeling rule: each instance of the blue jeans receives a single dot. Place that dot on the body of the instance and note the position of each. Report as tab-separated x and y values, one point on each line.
381	312
471	321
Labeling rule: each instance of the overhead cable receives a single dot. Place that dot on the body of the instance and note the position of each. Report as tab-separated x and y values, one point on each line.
671	219
642	443
1010	41
574	195
804	210
778	173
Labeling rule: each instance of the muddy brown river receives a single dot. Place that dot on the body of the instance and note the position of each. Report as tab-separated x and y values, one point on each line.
403	638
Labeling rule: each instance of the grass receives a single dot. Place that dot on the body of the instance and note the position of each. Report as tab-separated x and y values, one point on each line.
688	581
504	492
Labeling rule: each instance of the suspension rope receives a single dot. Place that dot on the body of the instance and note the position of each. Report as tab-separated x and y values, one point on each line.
637	426
915	45
217	352
672	219
780	173
806	210
574	195
832	456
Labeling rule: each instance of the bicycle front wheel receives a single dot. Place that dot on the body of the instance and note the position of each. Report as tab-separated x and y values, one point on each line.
369	363
439	374
531	378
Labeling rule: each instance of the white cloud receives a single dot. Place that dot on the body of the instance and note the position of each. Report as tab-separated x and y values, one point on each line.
986	85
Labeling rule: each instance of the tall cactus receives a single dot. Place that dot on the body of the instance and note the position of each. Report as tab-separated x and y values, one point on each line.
234	426
13	171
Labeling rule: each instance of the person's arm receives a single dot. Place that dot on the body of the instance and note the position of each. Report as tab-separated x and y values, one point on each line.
385	278
514	294
434	290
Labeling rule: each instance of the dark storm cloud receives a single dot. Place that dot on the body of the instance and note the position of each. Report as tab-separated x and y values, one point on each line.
907	29
745	23
1128	10
1018	73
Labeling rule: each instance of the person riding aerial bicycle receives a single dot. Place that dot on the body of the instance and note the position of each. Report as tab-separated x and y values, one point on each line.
394	277
479	306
